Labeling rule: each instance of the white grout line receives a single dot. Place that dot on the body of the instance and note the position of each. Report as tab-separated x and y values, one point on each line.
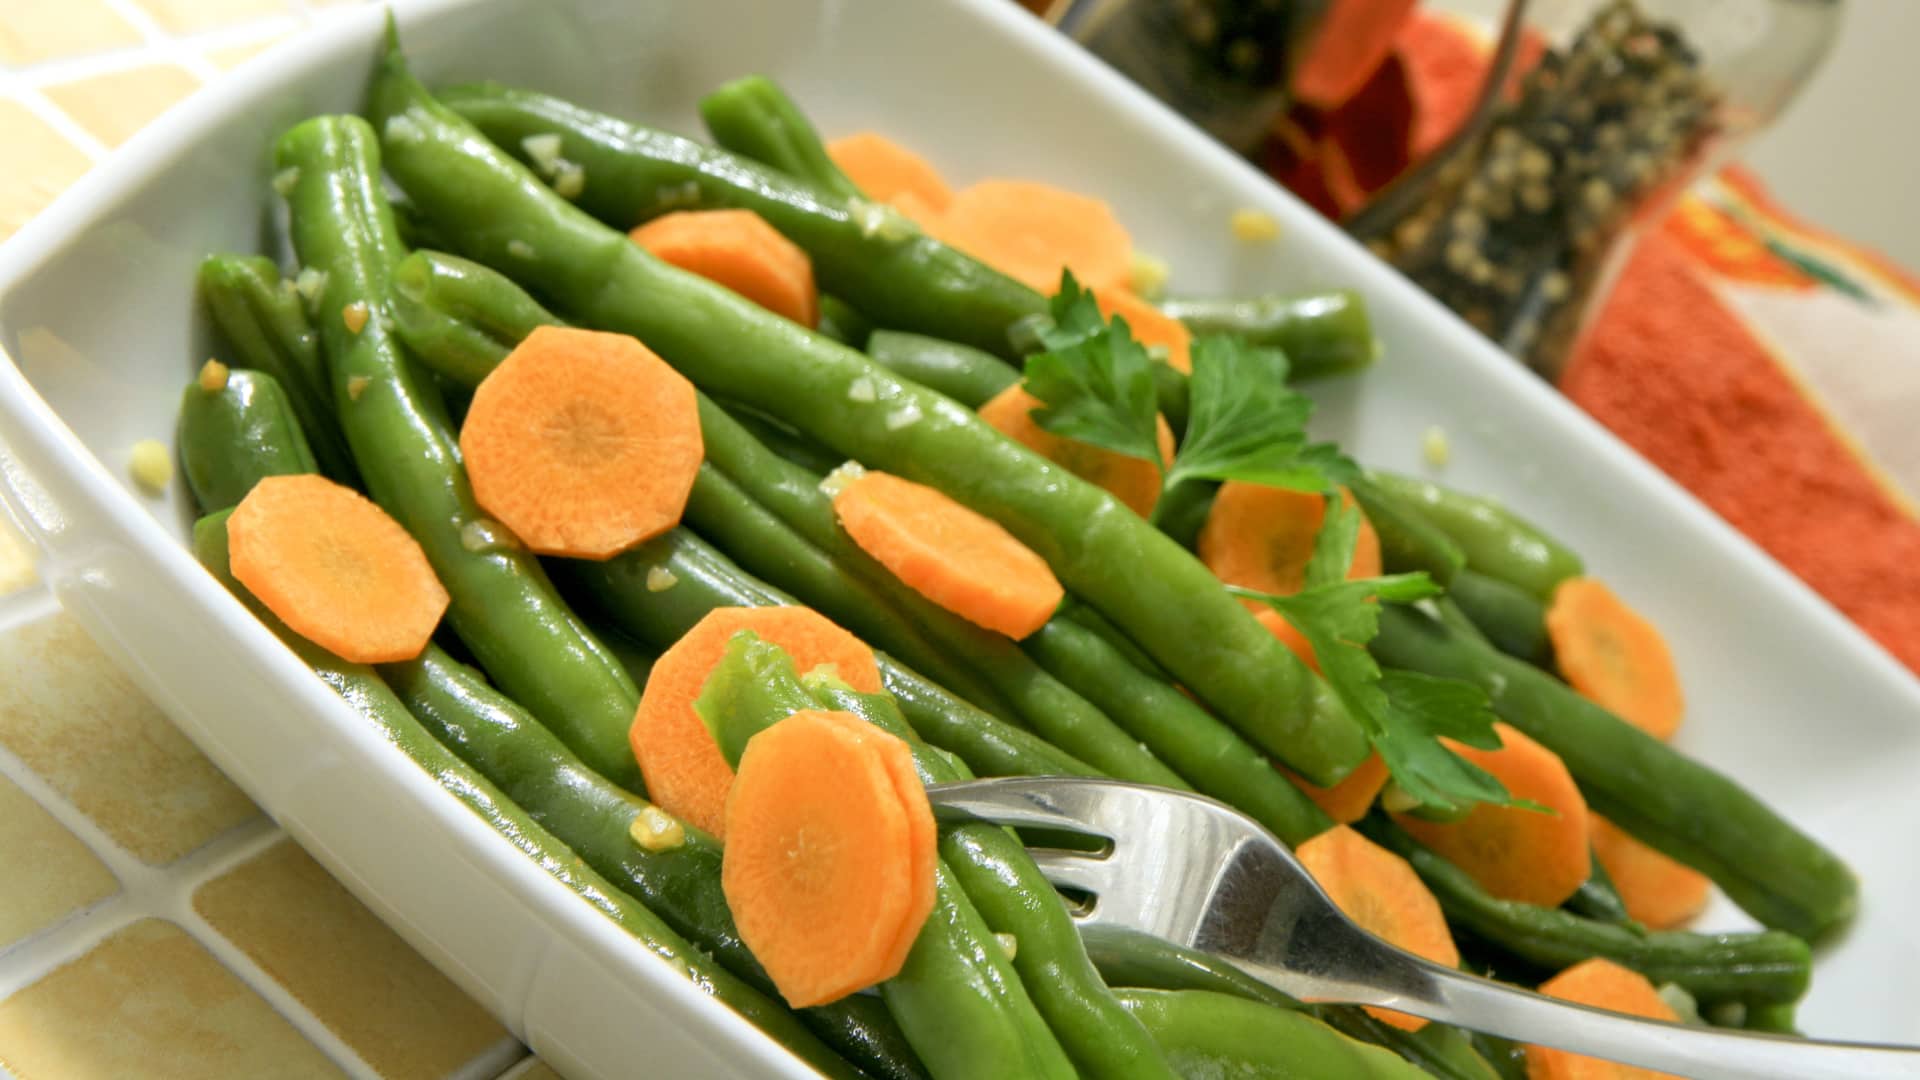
57	119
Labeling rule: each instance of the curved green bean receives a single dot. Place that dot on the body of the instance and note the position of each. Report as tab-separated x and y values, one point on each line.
1496	541
1212	1035
1324	333
754	117
233	434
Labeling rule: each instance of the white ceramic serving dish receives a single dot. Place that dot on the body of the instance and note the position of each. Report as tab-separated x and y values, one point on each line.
98	319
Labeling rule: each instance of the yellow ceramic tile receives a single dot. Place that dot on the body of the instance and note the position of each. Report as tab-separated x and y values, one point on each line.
36	30
531	1069
362	981
16	558
150	1002
50	873
234	55
115	105
188	16
78	722
40	164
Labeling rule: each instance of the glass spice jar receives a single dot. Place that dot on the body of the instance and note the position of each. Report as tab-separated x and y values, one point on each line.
1628	101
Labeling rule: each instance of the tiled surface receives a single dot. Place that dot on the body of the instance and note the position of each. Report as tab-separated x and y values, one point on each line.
153	923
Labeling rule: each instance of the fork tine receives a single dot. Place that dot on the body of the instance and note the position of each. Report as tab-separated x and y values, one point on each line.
1074	870
1028	801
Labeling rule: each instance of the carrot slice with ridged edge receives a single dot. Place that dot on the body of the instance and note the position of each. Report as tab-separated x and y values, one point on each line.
829	865
1148	324
1658	890
1516	853
1602	984
335	568
682	766
885	170
1349	800
1032	231
737	249
583	443
1380	891
961	560
1130	479
1260	537
1614	657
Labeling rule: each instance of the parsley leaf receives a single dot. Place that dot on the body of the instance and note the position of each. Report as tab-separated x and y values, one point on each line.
1404	714
1095	380
1245	423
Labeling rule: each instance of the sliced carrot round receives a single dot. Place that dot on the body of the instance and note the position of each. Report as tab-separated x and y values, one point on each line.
1614	657
1349	800
828	867
737	249
1129	479
1531	856
583	443
1380	891
1658	891
684	771
917	210
1602	984
886	170
1295	641
961	560
1032	231
1260	537
335	568
1148	325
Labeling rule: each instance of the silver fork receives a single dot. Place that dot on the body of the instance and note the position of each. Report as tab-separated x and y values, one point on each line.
1201	874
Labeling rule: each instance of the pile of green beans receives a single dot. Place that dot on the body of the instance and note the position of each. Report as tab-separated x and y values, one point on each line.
351	374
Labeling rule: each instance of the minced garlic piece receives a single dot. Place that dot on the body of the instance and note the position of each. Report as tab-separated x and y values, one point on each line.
213	376
520	249
285	179
653	829
861	390
569	180
355	316
151	465
310	282
1435	447
660	579
1254	226
544	150
1147	276
836	481
1009	944
356	385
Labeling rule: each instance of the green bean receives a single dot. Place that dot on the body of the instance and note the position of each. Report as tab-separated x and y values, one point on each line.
657	591
1408	541
1161	596
754	117
963	373
502	605
264	318
1780	875
234	434
841	322
1182	510
783	441
463	314
1496	541
1213	1035
1205	752
866	253
371	697
1510	618
1768	966
1776	1019
1597	899
1325	333
1449	615
959	997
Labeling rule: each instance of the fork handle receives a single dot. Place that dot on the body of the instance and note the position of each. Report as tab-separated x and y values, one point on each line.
1442	994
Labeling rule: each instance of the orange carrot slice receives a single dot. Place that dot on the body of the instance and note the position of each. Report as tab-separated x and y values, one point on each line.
1614	657
918	211
1260	537
1602	984
1514	853
961	560
1149	326
1295	641
885	170
1032	231
335	568
737	249
1657	890
1349	800
1129	479
829	865
682	766
583	443
1379	890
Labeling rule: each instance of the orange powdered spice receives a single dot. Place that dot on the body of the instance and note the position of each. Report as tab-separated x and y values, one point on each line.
1676	375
